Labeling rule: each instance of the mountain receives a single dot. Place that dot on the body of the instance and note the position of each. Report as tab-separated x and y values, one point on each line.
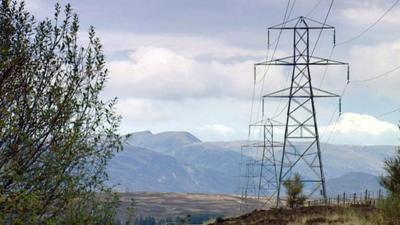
162	142
145	170
353	183
179	162
140	169
204	156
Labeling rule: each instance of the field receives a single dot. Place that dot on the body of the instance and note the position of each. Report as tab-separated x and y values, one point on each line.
163	205
171	205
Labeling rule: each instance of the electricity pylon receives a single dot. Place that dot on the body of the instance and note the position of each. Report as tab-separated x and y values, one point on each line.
260	172
301	120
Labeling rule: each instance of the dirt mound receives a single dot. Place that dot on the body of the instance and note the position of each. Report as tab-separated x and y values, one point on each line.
314	215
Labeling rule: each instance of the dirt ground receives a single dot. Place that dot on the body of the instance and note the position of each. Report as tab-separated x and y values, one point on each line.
316	215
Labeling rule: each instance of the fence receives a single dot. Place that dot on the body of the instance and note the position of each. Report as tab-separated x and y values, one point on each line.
366	198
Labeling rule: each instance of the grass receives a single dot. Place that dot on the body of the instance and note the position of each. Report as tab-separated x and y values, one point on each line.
345	217
308	216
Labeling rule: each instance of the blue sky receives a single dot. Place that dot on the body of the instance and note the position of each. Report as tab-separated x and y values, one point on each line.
188	64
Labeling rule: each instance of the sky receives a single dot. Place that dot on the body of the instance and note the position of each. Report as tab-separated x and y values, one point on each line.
187	65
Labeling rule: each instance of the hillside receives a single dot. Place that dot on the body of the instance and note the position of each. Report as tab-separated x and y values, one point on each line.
314	215
180	162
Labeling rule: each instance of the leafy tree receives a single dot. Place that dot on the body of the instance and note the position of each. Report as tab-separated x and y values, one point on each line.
389	207
56	133
391	181
294	188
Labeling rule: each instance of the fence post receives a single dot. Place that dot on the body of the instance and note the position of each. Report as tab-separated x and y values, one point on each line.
366	197
344	198
379	194
338	200
354	198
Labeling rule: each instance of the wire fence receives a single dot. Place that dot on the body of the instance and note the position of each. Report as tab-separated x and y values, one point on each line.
366	198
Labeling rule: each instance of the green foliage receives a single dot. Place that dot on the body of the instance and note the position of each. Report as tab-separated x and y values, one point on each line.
200	218
56	134
391	181
131	212
294	188
389	208
388	211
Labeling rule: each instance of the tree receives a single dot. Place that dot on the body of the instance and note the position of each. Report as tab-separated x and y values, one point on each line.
391	181
56	133
389	207
294	188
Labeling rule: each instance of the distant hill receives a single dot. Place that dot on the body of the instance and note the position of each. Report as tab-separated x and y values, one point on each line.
180	162
353	183
162	142
140	169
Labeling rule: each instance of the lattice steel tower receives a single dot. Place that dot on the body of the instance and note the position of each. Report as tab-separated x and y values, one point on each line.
260	171
301	151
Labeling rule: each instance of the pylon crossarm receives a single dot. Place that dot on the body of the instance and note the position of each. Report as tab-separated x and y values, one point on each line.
279	61
328	93
276	92
318	94
312	61
301	23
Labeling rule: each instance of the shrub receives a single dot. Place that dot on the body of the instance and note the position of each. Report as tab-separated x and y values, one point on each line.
294	188
388	211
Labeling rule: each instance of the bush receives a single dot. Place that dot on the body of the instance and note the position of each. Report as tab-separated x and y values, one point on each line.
294	188
391	181
388	211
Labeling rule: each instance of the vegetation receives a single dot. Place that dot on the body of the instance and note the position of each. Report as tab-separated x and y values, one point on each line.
194	219
313	215
389	208
56	134
294	188
392	179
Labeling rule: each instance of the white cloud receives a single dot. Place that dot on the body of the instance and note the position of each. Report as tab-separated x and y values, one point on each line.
368	14
353	128
152	72
370	61
138	110
218	130
40	8
188	46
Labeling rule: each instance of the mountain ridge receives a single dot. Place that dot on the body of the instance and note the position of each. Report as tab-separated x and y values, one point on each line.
177	161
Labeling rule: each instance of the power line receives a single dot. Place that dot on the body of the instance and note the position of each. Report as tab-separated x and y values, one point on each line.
320	32
336	121
388	113
378	76
266	69
287	78
313	9
276	115
285	18
326	68
371	26
319	36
